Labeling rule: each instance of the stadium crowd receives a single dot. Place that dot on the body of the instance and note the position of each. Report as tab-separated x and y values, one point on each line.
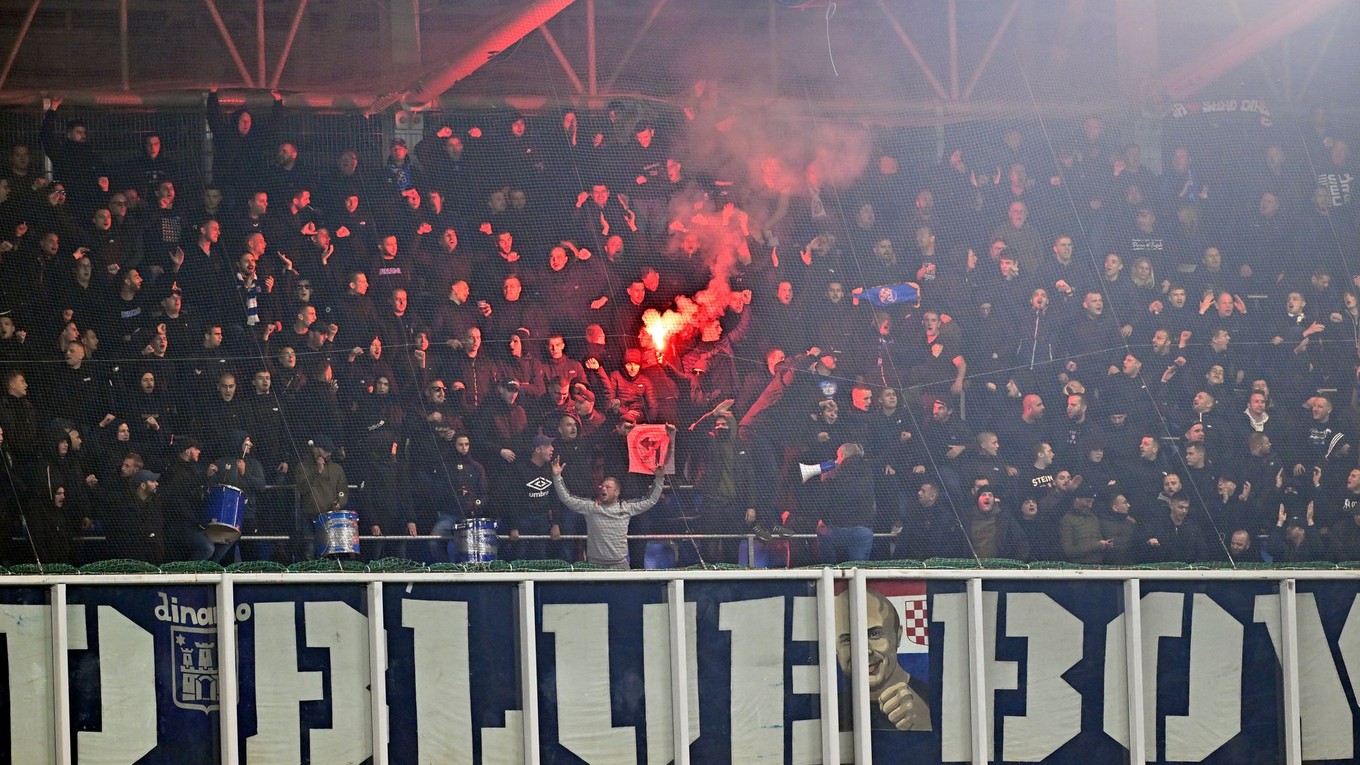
1034	350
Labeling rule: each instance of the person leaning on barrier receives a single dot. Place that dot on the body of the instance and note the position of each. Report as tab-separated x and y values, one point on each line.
607	517
845	496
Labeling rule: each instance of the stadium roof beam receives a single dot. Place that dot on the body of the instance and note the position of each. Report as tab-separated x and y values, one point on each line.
1282	20
953	49
506	33
287	43
123	66
1317	61
991	49
916	56
19	41
562	59
261	75
231	44
590	47
632	46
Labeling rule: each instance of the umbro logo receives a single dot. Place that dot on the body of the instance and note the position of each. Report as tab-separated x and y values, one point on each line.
539	484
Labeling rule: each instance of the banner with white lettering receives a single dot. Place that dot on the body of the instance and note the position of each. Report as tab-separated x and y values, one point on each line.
26	632
604	673
1210	663
1329	665
1055	658
758	672
144	685
304	674
453	681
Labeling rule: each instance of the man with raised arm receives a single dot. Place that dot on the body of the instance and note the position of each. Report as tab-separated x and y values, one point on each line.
607	517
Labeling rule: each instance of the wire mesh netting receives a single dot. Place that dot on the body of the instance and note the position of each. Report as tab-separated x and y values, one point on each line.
1034	328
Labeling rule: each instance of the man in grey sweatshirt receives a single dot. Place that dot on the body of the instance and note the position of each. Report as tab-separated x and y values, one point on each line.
607	518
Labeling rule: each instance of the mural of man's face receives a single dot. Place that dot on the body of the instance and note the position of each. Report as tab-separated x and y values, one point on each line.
885	633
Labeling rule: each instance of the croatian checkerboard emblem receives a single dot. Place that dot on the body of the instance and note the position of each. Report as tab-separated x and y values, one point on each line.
915	623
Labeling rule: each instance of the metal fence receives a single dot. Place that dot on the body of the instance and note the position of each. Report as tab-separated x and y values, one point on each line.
835	745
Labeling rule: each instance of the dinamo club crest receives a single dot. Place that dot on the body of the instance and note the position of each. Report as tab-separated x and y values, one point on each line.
195	664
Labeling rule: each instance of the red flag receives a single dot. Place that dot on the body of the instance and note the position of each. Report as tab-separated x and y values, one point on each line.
648	446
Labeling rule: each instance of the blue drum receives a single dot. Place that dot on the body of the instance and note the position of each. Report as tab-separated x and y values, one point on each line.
226	509
474	541
340	532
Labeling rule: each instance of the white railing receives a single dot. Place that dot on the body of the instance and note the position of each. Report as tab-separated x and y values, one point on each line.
857	748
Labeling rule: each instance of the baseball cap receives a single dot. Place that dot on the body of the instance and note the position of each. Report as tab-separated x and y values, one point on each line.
541	441
144	475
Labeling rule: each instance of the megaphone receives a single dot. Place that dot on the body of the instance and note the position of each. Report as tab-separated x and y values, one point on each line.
812	471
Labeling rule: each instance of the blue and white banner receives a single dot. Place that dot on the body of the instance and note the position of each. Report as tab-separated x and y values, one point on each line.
888	295
144	672
453	681
304	674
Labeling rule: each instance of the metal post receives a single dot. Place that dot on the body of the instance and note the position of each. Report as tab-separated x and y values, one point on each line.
288	44
1317	61
1287	74
1133	667
991	49
61	677
226	38
377	670
19	41
1136	42
829	665
590	45
471	57
1289	664
632	46
680	660
228	690
953	49
404	36
123	41
910	45
977	677
262	75
1222	56
562	59
773	24
528	670
415	13
859	667
1259	59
